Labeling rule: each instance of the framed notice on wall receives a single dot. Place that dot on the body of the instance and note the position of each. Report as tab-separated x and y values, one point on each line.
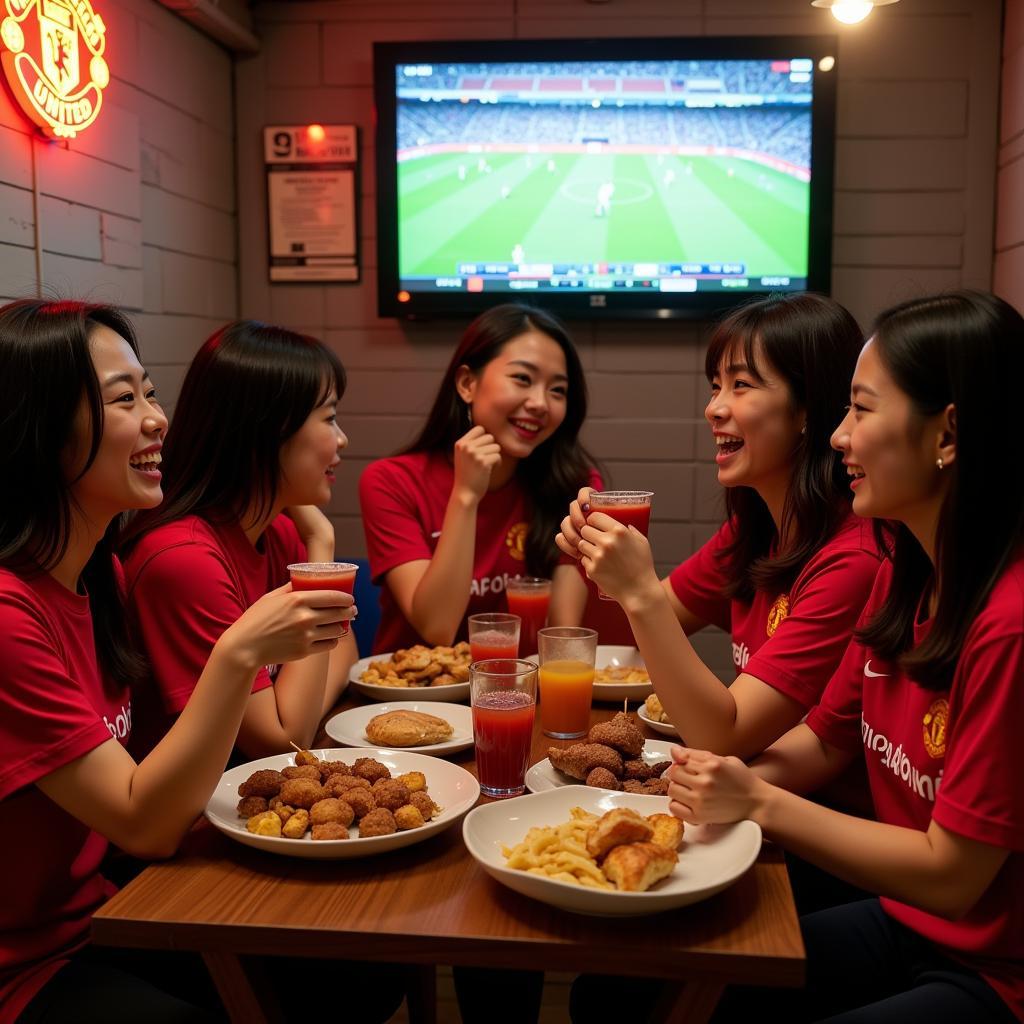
311	202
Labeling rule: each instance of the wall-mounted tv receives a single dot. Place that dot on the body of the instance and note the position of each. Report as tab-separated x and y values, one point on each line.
630	177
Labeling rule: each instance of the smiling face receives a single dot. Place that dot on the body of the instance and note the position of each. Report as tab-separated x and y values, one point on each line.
521	395
890	450
754	422
310	456
125	473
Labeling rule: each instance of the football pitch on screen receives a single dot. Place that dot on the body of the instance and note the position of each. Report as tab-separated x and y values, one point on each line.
580	208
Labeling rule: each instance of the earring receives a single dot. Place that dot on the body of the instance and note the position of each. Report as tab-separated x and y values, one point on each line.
940	463
469	413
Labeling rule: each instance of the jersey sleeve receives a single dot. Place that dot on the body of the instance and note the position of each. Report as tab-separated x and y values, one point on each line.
183	598
394	531
46	721
699	581
807	646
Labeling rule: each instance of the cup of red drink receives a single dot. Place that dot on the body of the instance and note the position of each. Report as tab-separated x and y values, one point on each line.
631	508
529	598
324	576
503	694
494	635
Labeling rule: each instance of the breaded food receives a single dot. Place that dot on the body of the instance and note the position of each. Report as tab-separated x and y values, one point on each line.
424	804
622	674
654	787
619	825
301	792
250	806
331	809
339	785
266	823
421	666
330	830
414	781
305	757
265	783
296	825
635	867
404	728
621	733
407	817
379	822
329	768
603	779
640	769
360	800
390	793
281	809
301	771
654	709
668	830
581	758
371	769
632	786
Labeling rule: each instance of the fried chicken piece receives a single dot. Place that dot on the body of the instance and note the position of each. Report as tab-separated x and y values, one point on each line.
371	769
581	758
379	822
414	781
633	786
331	809
304	757
421	800
654	787
265	824
619	825
415	659
603	779
329	768
420	676
330	830
621	733
407	817
442	680
654	709
281	809
302	771
668	830
296	825
390	793
338	784
265	783
360	800
250	806
301	792
635	867
460	673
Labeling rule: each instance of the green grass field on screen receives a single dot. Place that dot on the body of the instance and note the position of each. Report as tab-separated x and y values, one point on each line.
492	207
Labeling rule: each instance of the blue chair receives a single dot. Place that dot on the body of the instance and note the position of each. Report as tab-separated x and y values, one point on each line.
367	595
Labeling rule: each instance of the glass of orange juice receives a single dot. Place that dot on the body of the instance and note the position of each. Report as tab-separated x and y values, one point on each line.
566	680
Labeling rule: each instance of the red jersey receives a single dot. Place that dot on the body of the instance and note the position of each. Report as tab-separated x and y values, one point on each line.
55	706
187	582
793	641
955	756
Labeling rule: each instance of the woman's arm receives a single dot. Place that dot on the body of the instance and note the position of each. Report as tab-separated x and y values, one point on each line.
568	596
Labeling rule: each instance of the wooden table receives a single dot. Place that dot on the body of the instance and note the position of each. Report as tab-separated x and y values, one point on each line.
430	903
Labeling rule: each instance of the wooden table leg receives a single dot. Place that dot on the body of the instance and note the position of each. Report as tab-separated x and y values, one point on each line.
421	995
245	999
691	1002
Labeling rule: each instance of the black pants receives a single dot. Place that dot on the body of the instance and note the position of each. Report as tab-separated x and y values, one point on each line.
862	968
488	995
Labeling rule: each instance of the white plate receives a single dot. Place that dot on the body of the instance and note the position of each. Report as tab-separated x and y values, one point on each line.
544	775
665	728
452	788
349	727
711	857
454	691
612	656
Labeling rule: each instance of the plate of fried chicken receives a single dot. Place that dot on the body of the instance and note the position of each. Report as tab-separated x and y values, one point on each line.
613	755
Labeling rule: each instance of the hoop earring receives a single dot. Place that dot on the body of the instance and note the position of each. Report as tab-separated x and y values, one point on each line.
940	463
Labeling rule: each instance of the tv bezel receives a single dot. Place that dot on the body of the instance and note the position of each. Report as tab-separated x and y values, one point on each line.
614	304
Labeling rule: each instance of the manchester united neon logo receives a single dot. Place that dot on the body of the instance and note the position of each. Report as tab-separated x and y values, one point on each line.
52	55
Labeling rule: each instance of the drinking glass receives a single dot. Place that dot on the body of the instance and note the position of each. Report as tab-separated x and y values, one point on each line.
529	598
494	635
566	680
631	508
503	694
324	576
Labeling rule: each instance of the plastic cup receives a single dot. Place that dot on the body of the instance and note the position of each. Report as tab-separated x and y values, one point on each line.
566	680
494	635
631	508
325	576
503	694
529	597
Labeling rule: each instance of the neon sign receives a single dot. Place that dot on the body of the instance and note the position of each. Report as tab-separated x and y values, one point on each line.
52	57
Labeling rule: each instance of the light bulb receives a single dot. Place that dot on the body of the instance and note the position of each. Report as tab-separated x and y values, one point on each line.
849	12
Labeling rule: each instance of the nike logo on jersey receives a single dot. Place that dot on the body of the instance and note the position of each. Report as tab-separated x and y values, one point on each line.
874	675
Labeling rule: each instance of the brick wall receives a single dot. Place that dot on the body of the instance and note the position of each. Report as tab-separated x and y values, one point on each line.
1008	276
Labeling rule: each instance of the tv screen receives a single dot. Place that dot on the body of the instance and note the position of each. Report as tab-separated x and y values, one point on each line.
637	177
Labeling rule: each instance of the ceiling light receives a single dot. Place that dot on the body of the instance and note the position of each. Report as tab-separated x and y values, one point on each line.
849	12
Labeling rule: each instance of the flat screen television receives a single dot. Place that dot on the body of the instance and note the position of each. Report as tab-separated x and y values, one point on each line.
622	177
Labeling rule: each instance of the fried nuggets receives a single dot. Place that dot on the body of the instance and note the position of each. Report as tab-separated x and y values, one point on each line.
421	666
612	758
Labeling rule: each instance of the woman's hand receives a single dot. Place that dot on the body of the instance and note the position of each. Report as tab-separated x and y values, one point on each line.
287	625
315	531
707	789
476	455
569	538
617	558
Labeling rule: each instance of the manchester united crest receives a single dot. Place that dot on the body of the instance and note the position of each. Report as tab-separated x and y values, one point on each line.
935	721
52	57
515	541
778	611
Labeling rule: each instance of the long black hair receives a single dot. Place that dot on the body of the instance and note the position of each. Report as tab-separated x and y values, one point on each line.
46	376
248	390
944	350
812	343
556	469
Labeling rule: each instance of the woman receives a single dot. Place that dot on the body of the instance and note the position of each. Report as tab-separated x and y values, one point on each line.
789	571
928	692
252	454
80	433
477	497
